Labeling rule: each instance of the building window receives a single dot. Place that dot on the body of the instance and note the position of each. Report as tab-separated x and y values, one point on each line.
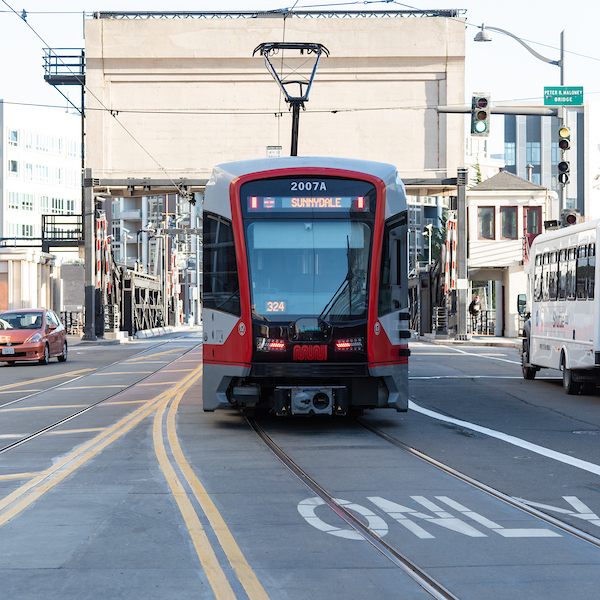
13	200
508	222
73	178
13	137
414	215
533	220
486	223
27	201
555	151
533	150
13	168
510	154
536	178
74	149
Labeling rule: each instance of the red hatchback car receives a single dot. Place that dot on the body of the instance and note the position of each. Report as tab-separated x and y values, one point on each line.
31	334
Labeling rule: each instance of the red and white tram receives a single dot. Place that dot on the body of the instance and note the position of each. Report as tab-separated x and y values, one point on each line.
305	304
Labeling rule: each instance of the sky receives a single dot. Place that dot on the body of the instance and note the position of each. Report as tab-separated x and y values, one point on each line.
503	67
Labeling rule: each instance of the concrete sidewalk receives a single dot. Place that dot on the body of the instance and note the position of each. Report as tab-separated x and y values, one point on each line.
476	340
76	340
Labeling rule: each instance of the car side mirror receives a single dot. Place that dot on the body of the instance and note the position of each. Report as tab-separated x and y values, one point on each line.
521	304
52	327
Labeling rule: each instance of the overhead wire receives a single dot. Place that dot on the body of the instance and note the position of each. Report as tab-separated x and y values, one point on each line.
113	112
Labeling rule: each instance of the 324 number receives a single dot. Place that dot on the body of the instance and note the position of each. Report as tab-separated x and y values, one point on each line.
275	307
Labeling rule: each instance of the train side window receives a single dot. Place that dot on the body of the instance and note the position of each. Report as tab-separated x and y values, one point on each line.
562	274
571	270
591	274
581	273
537	292
221	288
392	265
553	277
545	276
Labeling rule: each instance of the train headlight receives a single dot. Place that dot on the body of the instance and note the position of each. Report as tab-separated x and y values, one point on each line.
267	345
352	344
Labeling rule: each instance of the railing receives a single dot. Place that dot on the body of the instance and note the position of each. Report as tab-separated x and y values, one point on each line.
484	323
72	321
64	66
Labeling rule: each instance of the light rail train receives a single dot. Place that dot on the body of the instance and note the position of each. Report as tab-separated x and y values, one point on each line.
305	303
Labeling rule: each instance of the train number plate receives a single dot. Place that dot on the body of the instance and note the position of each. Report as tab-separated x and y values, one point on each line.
8	350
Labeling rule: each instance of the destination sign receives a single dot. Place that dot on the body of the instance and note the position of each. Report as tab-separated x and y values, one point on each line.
307	203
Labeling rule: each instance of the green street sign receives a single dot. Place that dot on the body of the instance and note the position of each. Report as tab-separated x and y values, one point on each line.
563	95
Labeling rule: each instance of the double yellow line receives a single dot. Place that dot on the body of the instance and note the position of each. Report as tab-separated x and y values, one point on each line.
213	570
34	489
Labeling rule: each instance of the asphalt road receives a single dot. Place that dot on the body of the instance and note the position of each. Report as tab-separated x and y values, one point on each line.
143	495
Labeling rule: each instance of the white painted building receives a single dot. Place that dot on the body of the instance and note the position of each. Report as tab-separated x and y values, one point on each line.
505	213
40	168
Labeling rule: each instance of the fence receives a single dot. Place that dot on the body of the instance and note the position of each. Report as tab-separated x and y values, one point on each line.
72	321
484	323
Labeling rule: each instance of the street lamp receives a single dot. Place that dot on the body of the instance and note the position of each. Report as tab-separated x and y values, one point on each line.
484	36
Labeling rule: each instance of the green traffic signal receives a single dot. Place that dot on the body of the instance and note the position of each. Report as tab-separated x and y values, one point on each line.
481	108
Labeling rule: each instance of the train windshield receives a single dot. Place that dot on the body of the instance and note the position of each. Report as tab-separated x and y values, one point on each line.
309	267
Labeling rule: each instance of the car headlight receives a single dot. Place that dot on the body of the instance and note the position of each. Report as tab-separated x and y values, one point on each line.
36	337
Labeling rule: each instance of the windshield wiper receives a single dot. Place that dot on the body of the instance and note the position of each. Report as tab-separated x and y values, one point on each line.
347	283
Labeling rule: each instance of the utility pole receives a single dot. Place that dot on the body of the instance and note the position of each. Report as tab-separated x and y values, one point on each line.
89	233
462	277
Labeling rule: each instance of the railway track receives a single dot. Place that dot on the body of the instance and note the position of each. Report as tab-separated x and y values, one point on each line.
393	554
78	413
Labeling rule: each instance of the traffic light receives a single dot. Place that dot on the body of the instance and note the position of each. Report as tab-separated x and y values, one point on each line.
564	138
563	172
564	143
481	109
569	216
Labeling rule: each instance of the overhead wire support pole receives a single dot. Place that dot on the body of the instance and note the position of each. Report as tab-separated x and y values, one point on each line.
270	49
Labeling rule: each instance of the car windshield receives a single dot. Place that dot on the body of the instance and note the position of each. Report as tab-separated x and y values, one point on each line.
25	320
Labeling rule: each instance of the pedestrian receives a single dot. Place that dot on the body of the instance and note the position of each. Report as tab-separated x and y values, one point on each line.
475	310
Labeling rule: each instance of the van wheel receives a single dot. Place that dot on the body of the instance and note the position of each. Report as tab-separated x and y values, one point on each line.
570	386
528	372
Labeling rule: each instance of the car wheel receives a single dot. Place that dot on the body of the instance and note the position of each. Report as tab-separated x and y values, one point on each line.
570	386
63	356
46	359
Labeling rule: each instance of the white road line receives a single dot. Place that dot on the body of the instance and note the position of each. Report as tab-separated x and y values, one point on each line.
512	362
510	439
469	377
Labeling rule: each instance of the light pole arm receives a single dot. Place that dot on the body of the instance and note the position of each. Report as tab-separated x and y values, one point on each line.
558	63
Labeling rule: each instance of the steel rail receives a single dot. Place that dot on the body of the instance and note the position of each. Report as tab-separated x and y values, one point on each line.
36	434
58	385
582	535
430	585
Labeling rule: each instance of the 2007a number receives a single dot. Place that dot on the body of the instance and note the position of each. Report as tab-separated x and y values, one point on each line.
308	186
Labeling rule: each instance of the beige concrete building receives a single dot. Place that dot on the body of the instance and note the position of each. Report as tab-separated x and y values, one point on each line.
180	95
